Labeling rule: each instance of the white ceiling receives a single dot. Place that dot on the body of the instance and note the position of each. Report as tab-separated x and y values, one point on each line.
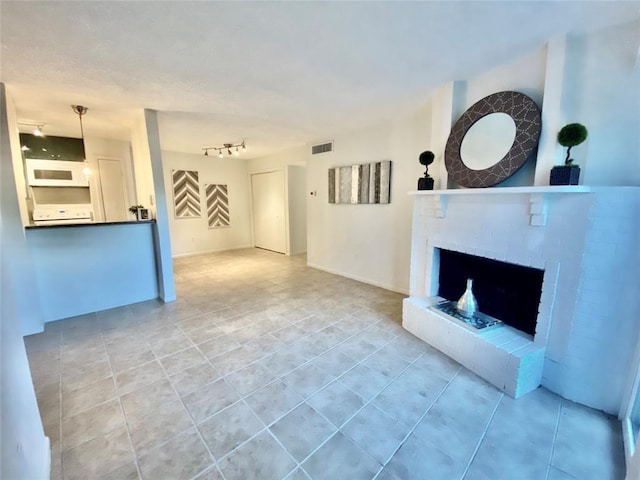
277	74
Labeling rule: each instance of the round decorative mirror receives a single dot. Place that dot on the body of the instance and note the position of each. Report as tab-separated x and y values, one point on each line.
493	139
489	138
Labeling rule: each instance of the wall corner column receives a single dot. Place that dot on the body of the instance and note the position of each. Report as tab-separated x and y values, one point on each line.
147	156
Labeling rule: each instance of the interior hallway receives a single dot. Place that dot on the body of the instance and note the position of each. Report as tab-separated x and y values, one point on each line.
267	369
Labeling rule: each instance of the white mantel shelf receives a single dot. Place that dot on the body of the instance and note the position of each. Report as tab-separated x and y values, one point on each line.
506	190
538	198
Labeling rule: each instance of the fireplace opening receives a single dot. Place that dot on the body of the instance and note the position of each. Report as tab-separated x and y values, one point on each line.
506	291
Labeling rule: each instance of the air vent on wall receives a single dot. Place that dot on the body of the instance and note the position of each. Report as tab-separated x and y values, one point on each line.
323	148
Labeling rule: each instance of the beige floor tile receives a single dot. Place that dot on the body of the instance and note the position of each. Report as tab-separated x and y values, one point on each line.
210	399
193	378
158	426
124	361
83	398
218	346
139	402
99	456
229	428
91	423
139	377
88	374
182	360
128	471
262	457
181	458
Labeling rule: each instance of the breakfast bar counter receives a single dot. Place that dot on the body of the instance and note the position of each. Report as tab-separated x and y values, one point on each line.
85	224
88	267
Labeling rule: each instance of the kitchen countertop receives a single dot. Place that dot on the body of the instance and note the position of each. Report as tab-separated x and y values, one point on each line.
88	224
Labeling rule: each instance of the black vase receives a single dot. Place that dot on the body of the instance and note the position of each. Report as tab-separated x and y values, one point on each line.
425	183
563	175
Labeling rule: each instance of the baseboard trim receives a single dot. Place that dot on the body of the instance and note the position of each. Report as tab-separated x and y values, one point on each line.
47	459
368	281
204	252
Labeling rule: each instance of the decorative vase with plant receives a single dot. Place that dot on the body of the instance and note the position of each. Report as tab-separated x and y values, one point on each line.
133	209
426	159
569	136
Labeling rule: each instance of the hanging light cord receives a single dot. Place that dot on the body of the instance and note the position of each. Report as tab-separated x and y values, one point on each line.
80	110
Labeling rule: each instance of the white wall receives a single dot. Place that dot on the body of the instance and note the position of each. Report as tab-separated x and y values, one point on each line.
602	91
371	243
277	161
24	447
193	235
524	75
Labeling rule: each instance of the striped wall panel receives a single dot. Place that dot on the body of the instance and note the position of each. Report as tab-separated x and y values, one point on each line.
217	205
368	183
186	193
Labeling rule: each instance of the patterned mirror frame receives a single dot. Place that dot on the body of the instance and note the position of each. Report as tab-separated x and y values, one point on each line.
525	114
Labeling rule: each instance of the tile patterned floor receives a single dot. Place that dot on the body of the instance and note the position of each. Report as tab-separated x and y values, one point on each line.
266	369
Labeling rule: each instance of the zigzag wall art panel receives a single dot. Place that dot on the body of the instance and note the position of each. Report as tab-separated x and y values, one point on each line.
186	193
368	183
217	205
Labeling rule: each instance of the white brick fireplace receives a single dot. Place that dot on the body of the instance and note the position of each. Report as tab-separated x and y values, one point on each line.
586	241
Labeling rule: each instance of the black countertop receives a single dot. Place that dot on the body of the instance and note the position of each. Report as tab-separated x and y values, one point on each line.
88	224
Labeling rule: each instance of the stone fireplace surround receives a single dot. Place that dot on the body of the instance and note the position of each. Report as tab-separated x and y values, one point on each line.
586	241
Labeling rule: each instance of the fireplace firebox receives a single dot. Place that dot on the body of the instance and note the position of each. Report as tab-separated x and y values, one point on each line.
506	291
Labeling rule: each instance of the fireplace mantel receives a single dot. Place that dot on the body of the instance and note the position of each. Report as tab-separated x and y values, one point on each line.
506	190
538	197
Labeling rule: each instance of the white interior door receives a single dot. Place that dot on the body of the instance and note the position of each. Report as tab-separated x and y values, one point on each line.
112	187
269	228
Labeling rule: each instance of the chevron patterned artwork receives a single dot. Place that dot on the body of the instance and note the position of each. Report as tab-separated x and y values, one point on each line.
217	205
186	193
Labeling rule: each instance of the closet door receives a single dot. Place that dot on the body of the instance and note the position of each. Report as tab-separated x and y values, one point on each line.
268	203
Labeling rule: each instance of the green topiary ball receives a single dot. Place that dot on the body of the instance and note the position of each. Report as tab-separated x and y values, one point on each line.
572	135
426	158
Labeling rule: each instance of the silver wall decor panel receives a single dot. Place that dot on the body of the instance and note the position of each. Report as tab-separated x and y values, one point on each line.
186	193
368	183
217	205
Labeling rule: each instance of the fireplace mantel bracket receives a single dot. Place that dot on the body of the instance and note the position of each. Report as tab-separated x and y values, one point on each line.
440	206
538	206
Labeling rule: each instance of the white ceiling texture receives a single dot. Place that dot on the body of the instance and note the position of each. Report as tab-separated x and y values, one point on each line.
277	74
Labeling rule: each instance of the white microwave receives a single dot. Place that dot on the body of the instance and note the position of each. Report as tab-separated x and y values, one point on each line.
53	173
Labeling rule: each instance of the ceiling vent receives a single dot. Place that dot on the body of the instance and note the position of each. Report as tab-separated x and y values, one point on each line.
322	148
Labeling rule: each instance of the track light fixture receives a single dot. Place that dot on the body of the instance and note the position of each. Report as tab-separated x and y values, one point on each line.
228	148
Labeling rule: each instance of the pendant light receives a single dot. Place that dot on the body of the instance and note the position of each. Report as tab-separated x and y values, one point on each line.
80	110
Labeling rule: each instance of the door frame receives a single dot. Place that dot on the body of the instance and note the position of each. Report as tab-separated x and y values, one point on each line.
285	193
